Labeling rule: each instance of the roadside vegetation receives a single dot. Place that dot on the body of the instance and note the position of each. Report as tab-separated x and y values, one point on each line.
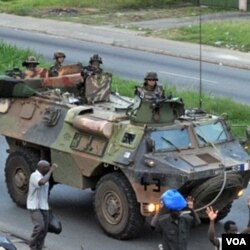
119	13
226	34
12	57
238	114
103	12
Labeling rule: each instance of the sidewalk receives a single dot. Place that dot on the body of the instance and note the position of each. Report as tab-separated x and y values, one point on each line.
127	39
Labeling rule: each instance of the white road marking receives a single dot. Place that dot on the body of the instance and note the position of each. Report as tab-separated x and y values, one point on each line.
185	76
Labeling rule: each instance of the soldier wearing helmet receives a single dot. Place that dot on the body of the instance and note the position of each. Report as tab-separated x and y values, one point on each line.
59	57
150	90
31	67
93	67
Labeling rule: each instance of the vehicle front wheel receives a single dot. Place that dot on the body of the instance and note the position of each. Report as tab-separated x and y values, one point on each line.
19	166
116	207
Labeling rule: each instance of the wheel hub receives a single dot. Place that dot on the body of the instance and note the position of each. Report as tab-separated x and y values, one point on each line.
20	179
112	208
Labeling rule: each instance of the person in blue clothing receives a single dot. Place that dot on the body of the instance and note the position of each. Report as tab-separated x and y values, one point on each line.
173	224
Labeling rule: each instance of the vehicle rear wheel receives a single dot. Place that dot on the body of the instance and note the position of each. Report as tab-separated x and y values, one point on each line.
18	168
116	207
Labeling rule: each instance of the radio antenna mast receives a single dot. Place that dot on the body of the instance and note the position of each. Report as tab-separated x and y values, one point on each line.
200	38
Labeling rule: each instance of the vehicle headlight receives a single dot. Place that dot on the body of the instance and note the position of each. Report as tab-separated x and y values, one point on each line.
240	193
152	207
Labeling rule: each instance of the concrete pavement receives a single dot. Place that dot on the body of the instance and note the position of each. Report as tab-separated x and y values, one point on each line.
128	39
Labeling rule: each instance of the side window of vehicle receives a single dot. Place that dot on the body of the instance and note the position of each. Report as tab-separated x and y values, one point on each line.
128	138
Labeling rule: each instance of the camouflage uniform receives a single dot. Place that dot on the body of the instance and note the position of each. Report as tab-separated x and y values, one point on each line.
30	63
90	69
53	70
148	92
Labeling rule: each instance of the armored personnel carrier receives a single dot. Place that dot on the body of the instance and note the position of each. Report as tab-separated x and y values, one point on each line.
128	151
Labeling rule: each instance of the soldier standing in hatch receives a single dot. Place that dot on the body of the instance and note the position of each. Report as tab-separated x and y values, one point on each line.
31	67
93	67
150	89
59	59
37	203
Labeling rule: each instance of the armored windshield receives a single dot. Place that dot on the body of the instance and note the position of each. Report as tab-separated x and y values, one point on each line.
172	139
212	132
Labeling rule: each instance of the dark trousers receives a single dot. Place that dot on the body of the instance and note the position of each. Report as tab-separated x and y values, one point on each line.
40	219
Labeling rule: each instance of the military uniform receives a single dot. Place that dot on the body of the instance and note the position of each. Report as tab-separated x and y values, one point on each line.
30	63
150	92
90	69
54	70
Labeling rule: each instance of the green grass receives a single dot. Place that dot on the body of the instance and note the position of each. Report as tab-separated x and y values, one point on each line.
15	5
99	12
238	114
11	57
225	34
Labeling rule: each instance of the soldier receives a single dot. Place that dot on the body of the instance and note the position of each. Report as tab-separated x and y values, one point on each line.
59	59
93	67
150	89
31	67
230	227
170	221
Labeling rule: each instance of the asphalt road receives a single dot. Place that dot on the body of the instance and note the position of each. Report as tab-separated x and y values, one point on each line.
80	229
217	80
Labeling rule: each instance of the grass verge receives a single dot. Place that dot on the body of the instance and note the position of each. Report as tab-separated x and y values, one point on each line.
238	114
96	12
12	57
226	34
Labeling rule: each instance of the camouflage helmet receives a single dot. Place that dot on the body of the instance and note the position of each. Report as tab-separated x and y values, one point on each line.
151	76
95	58
30	60
58	54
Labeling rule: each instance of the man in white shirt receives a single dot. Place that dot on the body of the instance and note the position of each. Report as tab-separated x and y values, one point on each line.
37	203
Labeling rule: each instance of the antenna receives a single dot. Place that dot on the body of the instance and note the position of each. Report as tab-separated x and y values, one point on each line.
200	38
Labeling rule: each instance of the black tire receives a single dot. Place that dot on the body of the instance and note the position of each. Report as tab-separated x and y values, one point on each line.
116	207
208	190
224	212
19	166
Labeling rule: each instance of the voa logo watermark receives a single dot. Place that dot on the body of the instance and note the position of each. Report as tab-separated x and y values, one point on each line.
235	241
